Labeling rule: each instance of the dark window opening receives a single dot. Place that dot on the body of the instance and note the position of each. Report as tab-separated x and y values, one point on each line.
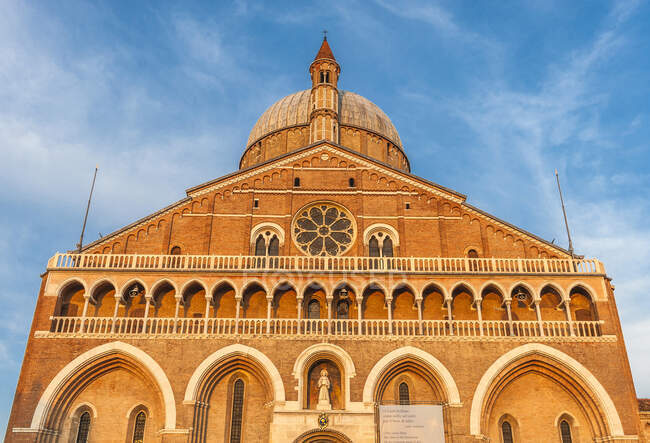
351	182
343	309
408	206
322	77
387	247
237	411
327	77
296	182
274	246
138	431
506	430
472	253
176	250
84	428
404	398
373	247
313	309
260	245
565	430
256	203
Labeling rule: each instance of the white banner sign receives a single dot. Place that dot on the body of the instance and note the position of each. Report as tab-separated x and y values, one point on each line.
411	424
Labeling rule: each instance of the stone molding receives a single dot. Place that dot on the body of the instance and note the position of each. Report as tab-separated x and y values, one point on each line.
443	374
234	350
69	371
604	400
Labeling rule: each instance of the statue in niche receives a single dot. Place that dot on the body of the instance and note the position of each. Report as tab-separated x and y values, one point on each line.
324	391
314	383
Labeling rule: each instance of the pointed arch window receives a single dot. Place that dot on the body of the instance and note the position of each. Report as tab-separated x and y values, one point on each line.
404	398
84	428
313	309
274	246
138	429
387	247
237	411
565	432
506	431
260	245
373	247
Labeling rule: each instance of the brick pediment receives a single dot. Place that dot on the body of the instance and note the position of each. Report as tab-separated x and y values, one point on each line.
374	192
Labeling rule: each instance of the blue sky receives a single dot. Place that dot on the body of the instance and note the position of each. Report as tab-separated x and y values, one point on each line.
488	97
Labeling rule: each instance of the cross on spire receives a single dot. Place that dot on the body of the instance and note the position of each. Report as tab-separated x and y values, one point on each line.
324	34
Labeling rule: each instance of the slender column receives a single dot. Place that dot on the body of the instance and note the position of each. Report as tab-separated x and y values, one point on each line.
269	301
178	305
238	300
567	309
83	313
147	305
389	302
450	316
117	306
237	306
509	311
479	314
329	313
418	301
359	314
538	314
299	312
208	301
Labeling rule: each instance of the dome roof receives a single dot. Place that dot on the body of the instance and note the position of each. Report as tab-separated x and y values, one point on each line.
354	110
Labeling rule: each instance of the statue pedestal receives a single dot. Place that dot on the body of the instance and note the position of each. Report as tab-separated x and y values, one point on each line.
323	406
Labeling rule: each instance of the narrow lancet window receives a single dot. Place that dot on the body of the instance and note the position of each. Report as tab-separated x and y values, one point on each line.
84	428
565	431
237	411
404	398
138	429
506	430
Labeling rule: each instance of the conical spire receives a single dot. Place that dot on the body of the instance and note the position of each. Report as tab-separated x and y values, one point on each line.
325	51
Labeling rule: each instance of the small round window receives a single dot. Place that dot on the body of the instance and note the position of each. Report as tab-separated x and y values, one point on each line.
323	229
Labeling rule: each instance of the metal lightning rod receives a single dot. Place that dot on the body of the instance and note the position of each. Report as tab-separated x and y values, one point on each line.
83	228
566	223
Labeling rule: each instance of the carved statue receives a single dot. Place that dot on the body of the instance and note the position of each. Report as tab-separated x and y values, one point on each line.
324	391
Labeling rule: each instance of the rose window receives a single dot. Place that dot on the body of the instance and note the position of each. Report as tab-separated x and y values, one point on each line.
323	229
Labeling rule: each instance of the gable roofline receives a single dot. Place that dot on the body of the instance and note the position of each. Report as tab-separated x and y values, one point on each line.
517	228
208	186
286	155
140	221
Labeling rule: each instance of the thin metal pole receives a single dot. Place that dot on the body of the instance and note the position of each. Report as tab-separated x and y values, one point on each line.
566	223
83	229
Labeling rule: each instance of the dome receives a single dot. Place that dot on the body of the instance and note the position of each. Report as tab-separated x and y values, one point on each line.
354	110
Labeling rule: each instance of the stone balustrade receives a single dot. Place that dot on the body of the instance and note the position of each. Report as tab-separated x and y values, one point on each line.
305	328
244	263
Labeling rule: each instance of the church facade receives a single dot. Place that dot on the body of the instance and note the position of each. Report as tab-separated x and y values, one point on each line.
292	300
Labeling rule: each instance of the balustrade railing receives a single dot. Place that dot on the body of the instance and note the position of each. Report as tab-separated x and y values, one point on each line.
245	263
282	327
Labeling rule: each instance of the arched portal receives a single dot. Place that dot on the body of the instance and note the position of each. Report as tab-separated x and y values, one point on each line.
84	381
534	382
322	436
239	380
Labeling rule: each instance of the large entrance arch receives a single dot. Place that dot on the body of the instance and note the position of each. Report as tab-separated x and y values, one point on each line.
322	436
563	373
